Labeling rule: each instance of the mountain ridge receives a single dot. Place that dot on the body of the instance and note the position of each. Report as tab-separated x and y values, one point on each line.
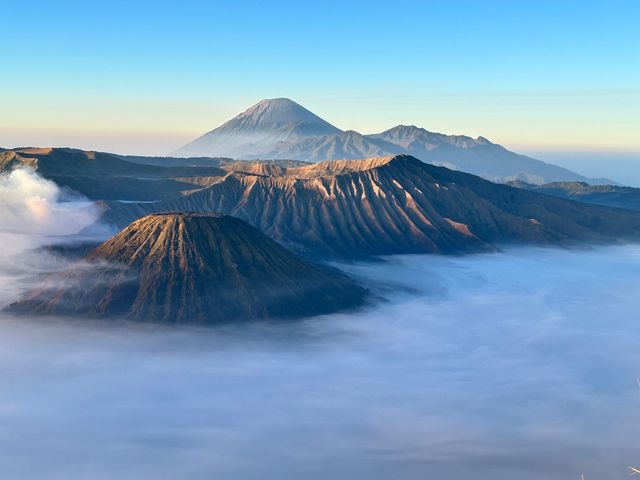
288	130
393	205
106	176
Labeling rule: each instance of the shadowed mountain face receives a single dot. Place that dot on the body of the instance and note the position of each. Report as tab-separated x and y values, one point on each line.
610	195
258	129
280	128
196	268
393	205
105	176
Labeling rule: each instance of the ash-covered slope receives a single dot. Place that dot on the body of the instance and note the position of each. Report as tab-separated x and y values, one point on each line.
258	129
192	268
394	205
69	161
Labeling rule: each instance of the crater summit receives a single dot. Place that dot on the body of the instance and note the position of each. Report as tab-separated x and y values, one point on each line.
192	268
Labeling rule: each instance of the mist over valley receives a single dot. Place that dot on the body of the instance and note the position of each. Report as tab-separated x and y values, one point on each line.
517	364
288	240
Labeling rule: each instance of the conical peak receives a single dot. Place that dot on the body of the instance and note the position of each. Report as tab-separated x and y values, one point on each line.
193	267
280	101
260	128
167	219
172	234
278	111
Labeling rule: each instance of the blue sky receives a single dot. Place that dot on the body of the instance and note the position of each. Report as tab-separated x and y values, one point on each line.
144	76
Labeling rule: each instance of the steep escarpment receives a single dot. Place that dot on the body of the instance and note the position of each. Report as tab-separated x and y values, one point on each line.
192	268
393	205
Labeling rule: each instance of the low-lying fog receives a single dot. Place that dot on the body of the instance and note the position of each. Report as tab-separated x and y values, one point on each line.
516	365
520	365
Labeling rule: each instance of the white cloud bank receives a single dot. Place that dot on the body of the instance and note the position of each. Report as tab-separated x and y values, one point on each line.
493	367
34	212
30	204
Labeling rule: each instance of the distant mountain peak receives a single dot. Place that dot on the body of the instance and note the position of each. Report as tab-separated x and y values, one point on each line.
258	129
484	141
277	100
403	127
274	112
279	128
352	133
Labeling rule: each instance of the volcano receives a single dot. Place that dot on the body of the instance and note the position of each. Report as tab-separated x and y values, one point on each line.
354	209
202	268
259	129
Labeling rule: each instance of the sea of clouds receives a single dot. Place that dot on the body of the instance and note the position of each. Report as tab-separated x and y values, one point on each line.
521	364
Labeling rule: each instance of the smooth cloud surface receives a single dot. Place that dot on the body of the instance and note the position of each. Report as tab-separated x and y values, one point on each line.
515	365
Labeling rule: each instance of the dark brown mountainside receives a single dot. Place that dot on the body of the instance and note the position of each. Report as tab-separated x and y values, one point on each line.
104	176
478	156
392	205
195	268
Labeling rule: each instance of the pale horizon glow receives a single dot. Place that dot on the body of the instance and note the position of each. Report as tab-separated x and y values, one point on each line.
144	127
147	77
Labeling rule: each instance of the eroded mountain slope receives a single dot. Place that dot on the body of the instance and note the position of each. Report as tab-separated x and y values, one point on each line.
388	205
195	268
